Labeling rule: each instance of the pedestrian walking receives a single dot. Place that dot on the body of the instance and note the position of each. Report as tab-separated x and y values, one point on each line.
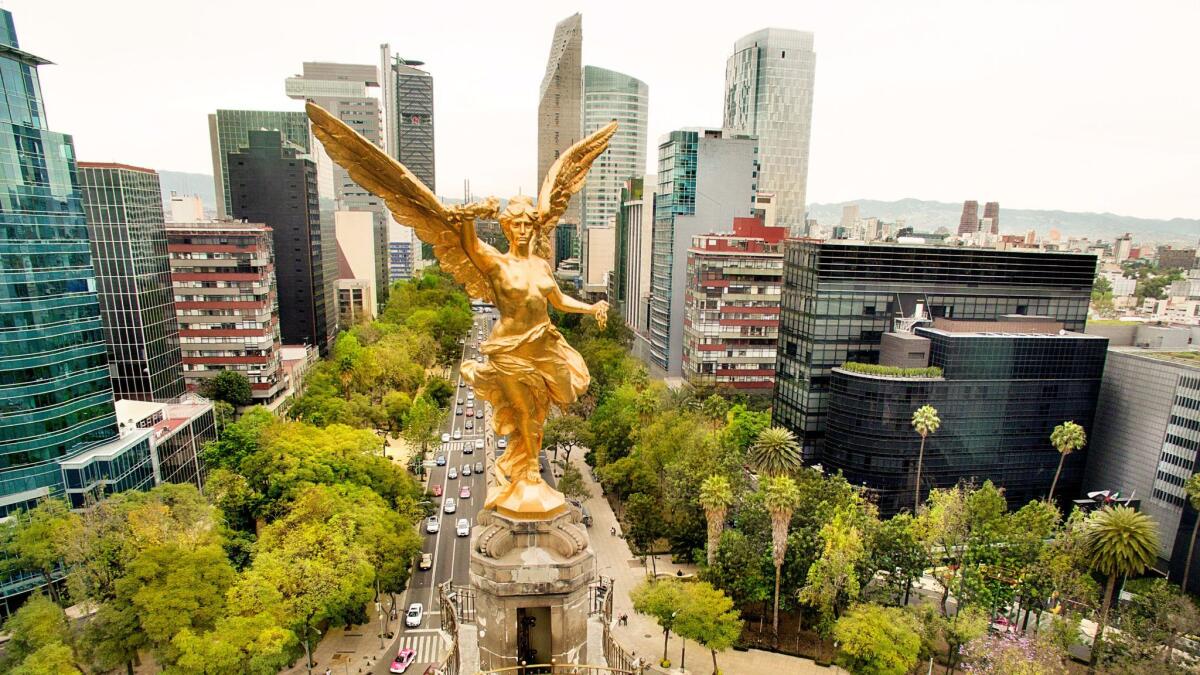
613	530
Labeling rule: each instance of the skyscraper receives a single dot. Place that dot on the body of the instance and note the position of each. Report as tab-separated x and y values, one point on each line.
408	131
56	400
342	89
607	96
631	271
840	298
560	103
991	211
769	94
229	131
129	253
270	182
968	222
706	179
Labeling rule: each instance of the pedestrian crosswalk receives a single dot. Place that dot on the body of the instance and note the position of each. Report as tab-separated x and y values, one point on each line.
428	645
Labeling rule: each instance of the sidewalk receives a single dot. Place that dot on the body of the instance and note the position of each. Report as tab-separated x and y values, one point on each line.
643	636
345	651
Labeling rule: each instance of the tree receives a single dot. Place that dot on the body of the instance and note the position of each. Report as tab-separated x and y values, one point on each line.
715	497
662	601
1151	624
424	419
36	540
969	623
571	483
230	386
780	496
439	390
741	569
943	528
1066	438
645	524
223	414
715	408
1192	488
832	580
53	659
775	452
37	625
564	432
897	551
1010	654
1120	542
708	617
925	421
876	640
396	405
253	645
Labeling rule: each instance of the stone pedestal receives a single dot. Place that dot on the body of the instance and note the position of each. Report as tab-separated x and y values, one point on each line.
535	571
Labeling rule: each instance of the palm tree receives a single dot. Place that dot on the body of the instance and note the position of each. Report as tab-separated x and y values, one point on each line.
775	452
926	421
1066	438
780	496
715	497
1192	488
1118	541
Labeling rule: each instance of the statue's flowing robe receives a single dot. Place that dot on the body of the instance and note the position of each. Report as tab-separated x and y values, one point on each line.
541	360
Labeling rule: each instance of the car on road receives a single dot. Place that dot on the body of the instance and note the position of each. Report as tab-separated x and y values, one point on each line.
446	438
466	470
470	396
478	443
453	473
465	492
479	414
478	467
426	561
432	525
461	383
403	660
414	616
440	461
436	490
502	442
464	527
469	426
451	506
457	434
458	409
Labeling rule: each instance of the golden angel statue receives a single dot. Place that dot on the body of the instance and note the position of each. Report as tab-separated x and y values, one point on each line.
529	364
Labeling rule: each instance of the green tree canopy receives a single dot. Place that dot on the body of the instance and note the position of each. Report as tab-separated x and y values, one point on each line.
229	386
876	640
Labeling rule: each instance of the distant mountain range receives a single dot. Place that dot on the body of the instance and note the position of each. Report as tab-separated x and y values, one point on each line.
927	216
189	184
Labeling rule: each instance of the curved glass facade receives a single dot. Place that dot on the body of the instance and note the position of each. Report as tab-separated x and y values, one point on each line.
607	96
55	396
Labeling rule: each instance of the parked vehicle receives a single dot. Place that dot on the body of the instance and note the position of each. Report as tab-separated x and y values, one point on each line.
432	525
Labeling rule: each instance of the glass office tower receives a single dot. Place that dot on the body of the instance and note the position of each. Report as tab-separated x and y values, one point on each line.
55	397
607	96
229	131
129	253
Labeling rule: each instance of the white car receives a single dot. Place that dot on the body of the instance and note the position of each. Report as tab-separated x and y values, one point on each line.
453	473
446	438
432	525
414	616
464	528
502	442
457	434
470	396
451	506
479	444
466	470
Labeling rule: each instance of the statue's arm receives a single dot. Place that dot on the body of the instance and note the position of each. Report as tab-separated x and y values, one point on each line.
565	303
479	253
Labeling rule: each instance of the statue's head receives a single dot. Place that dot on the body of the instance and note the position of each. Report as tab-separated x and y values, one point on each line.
520	222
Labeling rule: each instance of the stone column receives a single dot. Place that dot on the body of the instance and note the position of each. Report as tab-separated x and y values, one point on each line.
531	564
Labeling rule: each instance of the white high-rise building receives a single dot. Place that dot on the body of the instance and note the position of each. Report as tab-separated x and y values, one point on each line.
769	94
186	208
607	96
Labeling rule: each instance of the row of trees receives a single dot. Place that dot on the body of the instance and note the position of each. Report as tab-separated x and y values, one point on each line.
299	528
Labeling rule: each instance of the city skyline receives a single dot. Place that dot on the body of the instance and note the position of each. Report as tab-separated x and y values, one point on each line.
884	100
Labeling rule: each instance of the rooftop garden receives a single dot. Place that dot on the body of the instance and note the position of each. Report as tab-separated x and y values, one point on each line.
891	371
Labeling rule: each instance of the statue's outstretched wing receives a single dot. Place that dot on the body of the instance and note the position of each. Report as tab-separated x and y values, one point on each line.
410	201
567	174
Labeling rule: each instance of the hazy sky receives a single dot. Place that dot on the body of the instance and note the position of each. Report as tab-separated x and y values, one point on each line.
1081	106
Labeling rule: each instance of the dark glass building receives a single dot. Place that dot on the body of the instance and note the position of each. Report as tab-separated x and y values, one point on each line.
129	253
840	298
272	182
1002	392
55	397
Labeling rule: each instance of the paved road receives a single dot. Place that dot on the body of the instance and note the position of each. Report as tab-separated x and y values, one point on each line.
451	553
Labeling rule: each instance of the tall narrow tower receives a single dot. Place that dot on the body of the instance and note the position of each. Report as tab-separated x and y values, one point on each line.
408	130
968	222
769	94
560	102
992	210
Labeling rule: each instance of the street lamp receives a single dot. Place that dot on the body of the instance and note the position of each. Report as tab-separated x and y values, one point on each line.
307	649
